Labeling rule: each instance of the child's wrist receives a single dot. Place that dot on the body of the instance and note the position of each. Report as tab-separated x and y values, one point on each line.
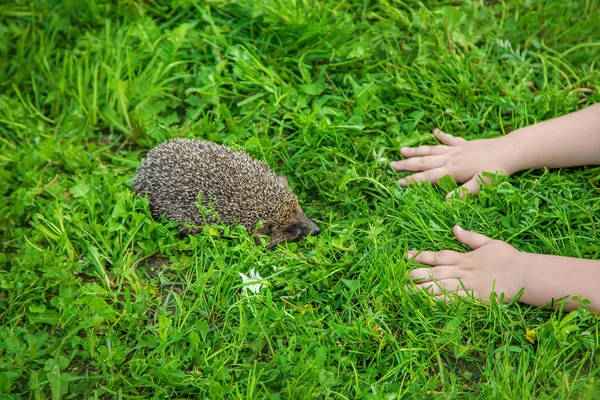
526	266
514	154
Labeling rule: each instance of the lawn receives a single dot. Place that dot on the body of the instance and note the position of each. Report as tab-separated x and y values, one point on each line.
98	300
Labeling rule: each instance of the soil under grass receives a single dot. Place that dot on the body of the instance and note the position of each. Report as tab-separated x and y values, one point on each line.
97	300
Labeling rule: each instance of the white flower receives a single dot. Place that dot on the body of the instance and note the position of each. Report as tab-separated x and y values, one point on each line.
254	276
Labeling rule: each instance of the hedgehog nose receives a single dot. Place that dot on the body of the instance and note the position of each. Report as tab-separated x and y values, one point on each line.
312	228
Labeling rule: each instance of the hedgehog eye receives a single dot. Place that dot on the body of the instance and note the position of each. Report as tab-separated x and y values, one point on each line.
270	227
291	229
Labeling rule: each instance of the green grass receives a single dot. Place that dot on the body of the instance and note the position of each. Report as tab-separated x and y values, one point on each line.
99	301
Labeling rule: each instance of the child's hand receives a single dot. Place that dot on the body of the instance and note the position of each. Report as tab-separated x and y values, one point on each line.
464	161
492	265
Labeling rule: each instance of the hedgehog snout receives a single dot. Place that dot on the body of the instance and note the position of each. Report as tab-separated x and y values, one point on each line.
306	227
311	229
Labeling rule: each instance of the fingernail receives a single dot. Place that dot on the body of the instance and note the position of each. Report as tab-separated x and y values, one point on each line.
411	253
459	228
402	182
436	131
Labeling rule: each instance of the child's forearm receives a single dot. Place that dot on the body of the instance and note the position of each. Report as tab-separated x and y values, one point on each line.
568	141
552	278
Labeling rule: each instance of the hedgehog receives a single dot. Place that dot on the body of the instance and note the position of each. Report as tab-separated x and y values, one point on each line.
198	183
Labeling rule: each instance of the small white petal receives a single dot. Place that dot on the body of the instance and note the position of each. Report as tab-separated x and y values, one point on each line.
254	276
254	288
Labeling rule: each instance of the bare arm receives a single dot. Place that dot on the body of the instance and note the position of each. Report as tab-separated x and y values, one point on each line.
551	278
494	265
567	141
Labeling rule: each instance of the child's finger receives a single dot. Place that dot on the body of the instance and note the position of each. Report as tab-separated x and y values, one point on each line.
472	186
435	258
446	138
423	151
472	239
418	163
430	175
422	275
